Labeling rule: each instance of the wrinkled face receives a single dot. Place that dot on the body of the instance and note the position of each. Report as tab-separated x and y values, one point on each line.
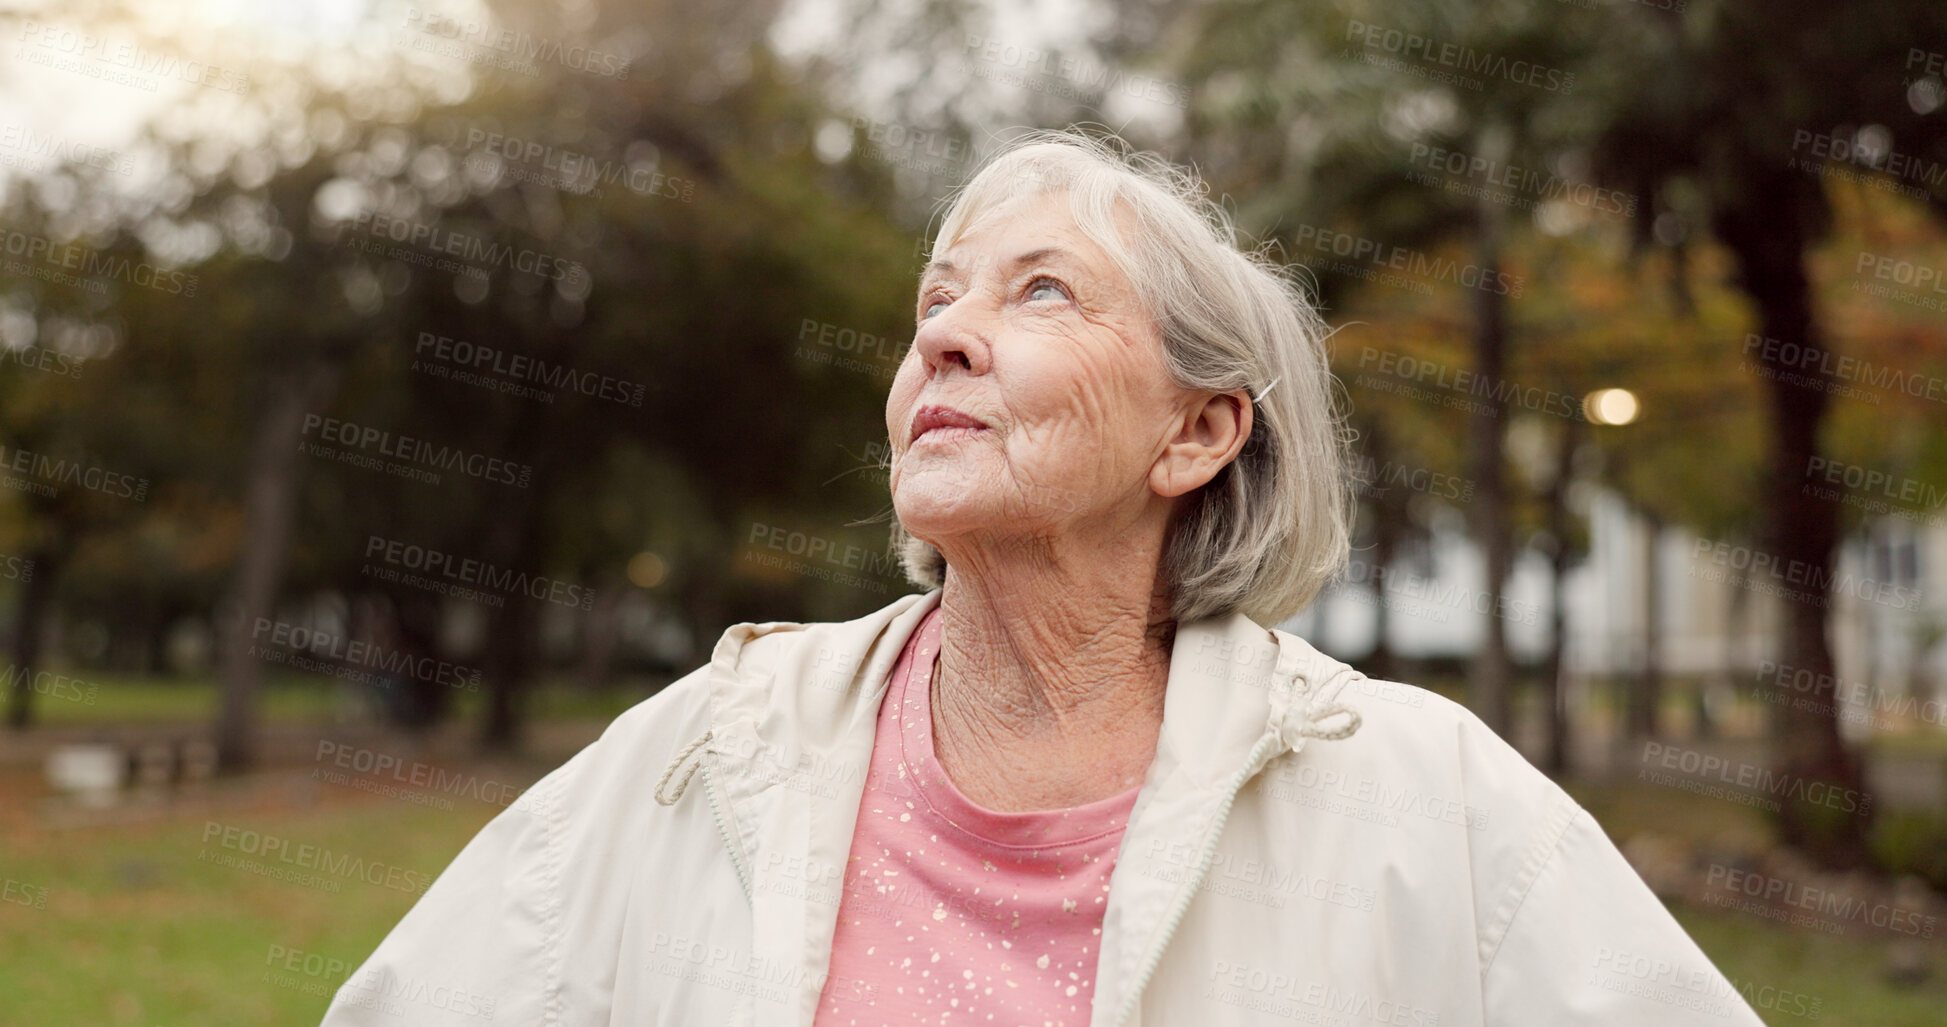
1034	399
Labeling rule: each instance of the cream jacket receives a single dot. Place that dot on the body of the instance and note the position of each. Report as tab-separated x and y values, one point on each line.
1309	846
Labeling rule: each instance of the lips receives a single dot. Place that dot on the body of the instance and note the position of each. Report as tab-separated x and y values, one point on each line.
931	417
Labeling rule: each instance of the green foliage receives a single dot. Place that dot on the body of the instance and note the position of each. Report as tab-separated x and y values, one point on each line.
1913	843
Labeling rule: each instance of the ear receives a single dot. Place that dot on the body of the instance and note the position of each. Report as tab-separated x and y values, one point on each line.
1210	435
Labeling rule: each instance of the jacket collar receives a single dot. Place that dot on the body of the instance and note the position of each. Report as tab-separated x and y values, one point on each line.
1230	681
802	717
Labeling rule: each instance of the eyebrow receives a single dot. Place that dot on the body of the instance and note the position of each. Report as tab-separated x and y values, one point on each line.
1030	257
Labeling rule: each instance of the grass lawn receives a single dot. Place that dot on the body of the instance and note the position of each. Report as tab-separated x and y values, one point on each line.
1788	974
293	698
137	929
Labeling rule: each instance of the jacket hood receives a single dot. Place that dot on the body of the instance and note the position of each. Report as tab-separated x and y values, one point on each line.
797	697
793	708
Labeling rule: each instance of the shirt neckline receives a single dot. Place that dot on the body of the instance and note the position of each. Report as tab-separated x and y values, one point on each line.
1029	829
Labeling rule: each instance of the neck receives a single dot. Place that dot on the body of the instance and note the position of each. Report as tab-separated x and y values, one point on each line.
1051	672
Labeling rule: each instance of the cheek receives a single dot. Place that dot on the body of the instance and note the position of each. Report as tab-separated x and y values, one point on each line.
899	398
1093	402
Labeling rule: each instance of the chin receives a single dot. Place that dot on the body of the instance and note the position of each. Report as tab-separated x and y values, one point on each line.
930	505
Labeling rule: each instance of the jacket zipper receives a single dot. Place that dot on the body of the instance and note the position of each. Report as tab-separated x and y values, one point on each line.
1189	892
729	840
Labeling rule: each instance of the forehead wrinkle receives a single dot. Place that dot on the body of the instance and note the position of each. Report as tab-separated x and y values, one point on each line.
1054	254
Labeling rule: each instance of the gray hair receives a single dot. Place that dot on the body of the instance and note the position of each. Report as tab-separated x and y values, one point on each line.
1271	529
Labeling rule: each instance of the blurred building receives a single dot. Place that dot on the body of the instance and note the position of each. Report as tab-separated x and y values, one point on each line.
1716	614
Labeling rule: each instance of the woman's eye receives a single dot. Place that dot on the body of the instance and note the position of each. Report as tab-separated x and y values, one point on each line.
932	307
1046	288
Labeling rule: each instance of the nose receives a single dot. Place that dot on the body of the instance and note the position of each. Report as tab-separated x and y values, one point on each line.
954	337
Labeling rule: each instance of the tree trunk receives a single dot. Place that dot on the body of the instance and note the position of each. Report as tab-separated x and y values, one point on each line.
600	633
1385	543
36	596
1766	231
1647	697
1555	756
1490	674
269	513
406	621
507	665
1384	509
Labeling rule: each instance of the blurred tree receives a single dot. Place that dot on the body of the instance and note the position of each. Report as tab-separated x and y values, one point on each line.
1324	117
712	232
1733	112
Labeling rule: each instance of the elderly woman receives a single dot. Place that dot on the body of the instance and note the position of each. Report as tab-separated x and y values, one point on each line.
1079	781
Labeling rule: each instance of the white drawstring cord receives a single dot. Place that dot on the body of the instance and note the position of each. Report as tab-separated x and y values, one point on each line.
1332	721
1311	723
681	759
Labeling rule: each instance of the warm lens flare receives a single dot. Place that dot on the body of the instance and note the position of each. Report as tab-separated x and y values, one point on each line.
1611	406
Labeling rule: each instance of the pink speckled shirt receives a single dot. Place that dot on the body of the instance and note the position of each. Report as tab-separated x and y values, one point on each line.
955	913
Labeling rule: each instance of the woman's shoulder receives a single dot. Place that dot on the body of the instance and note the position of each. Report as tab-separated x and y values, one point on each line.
1423	761
1419	734
754	668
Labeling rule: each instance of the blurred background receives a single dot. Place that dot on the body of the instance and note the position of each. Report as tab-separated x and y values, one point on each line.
390	395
